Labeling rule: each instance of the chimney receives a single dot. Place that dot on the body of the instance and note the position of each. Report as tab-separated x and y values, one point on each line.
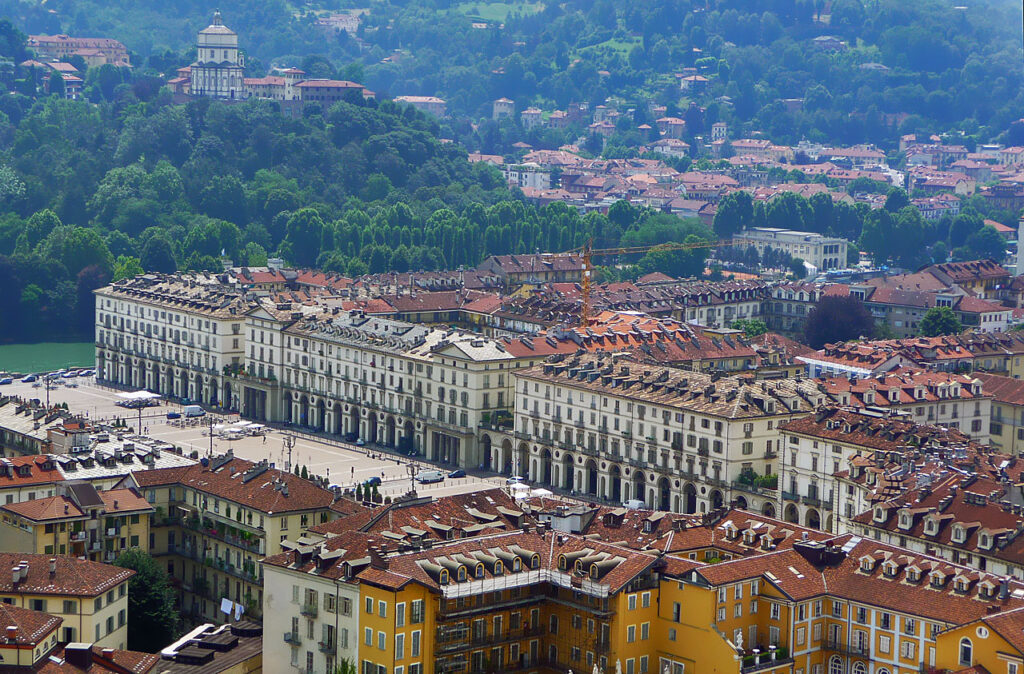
24	569
12	632
1004	589
108	653
79	655
377	558
15	574
53	566
115	504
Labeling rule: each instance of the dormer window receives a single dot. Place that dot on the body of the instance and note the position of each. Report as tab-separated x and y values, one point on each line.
766	543
879	514
959	535
749	537
937	580
499	568
913	575
889	569
961	585
517	565
905	520
985	541
930	526
535	562
442	577
867	564
462	574
479	570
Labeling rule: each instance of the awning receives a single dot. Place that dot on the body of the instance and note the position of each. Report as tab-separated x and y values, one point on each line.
138	395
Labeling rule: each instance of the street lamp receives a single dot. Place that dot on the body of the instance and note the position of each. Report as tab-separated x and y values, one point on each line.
412	468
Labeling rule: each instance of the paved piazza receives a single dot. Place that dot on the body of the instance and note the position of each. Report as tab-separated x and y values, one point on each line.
344	463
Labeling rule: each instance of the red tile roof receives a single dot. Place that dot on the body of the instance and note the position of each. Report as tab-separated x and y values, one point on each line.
32	626
264	493
73	576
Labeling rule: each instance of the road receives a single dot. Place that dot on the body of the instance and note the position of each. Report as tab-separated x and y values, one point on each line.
340	462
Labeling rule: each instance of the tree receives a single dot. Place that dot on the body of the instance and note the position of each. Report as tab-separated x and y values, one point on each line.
735	212
302	236
987	243
154	620
837	319
751	327
126	266
940	321
158	256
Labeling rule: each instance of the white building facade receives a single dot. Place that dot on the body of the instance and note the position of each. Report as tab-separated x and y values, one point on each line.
219	69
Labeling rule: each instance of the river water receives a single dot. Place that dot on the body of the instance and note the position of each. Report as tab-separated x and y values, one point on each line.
26	358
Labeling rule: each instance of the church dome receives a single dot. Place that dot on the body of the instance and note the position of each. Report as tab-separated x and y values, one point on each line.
217	27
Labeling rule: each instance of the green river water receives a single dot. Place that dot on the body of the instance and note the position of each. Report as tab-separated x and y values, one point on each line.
26	358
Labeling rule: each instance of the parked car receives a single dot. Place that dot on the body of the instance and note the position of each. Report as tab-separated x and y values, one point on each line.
458	472
29	379
69	375
427	476
5	381
173	415
373	482
515	479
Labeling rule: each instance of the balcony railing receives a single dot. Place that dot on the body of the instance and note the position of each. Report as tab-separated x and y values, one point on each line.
851	649
310	610
292	638
326	646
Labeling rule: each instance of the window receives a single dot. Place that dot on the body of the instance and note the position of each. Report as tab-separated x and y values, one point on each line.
368	636
632	602
399	646
400	615
382	609
414	647
645	631
966	653
773	612
382	640
369	605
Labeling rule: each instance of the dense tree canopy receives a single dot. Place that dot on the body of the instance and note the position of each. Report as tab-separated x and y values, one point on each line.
837	319
153	620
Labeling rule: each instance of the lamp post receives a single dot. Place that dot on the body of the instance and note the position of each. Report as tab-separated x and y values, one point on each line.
412	468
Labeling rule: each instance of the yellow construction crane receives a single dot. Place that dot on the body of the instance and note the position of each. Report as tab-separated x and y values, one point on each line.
588	253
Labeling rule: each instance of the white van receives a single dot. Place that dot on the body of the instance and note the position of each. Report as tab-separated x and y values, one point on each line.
193	411
425	476
634	504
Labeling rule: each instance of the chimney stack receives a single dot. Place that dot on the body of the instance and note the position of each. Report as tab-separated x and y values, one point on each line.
12	632
15	574
53	566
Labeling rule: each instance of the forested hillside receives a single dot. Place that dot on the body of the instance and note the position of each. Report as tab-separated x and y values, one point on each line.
922	66
94	192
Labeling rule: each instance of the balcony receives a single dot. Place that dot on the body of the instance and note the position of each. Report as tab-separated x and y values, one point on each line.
764	663
325	646
811	501
838	646
456	641
309	610
292	638
791	496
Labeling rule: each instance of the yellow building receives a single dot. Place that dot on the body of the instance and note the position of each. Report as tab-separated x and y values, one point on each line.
1007	427
214	523
78	521
90	598
994	643
509	602
845	606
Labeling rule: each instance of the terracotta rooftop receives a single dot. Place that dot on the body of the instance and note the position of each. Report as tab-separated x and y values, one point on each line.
72	576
